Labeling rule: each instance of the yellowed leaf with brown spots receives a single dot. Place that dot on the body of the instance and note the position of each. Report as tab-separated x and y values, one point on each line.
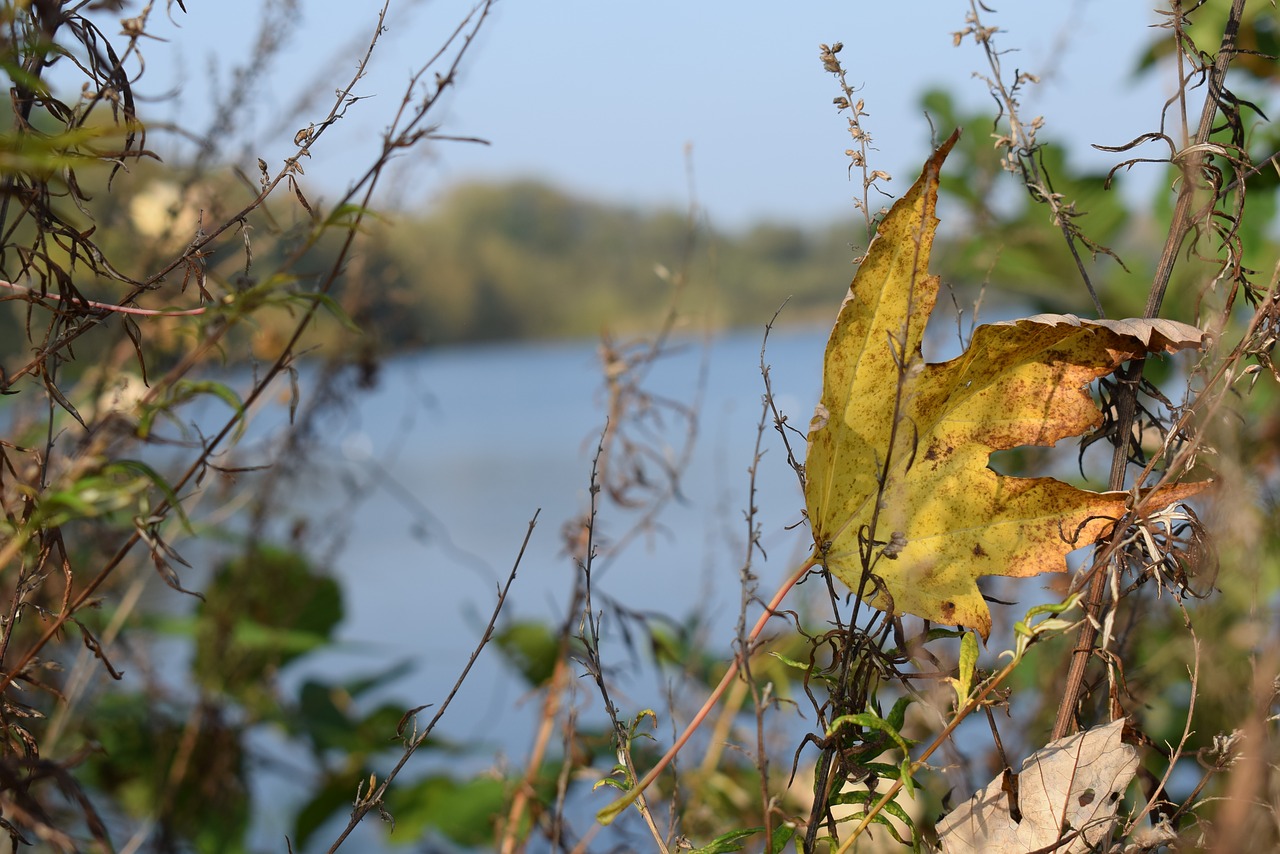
896	475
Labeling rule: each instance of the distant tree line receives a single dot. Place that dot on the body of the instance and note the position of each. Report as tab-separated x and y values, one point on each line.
522	260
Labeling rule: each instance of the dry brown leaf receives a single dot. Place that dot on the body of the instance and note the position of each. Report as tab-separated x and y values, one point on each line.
1070	787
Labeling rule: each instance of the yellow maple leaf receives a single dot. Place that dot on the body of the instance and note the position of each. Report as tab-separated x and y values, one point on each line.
896	476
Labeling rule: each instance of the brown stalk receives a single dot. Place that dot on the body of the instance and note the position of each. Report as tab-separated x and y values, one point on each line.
556	686
1127	395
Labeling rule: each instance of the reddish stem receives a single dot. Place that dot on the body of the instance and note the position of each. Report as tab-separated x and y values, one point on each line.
106	306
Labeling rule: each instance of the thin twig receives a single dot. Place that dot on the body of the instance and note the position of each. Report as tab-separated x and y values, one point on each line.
106	306
609	813
374	799
1127	395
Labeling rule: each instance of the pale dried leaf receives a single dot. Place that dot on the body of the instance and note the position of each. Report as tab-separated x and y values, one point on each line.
1156	333
1072	784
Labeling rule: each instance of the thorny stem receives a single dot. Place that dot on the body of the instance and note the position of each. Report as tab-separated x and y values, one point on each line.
1127	395
749	586
1022	151
590	637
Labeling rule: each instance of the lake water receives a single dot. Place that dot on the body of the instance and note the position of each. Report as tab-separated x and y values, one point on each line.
462	447
453	453
421	490
451	456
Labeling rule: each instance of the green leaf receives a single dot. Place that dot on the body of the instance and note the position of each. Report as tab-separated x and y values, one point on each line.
898	714
883	769
781	836
904	774
532	648
462	810
731	841
181	392
349	215
330	305
790	662
261	611
870	720
146	471
869	799
968	666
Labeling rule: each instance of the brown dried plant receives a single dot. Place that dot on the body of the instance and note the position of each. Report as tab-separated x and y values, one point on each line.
119	318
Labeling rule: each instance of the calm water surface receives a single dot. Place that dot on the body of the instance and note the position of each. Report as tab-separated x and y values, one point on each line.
462	447
453	454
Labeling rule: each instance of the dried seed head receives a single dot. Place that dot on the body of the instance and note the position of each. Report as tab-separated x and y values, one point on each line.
828	56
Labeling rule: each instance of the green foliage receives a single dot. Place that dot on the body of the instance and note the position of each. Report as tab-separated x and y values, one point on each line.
525	260
735	840
92	491
261	611
180	393
461	810
1009	242
532	648
885	731
141	743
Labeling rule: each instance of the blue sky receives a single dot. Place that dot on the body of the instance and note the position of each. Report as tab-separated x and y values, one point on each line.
603	97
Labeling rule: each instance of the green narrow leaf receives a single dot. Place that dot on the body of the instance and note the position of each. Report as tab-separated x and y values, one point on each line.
62	401
185	390
790	662
867	800
159	483
781	836
898	714
294	394
731	841
968	666
871	720
330	305
349	215
908	783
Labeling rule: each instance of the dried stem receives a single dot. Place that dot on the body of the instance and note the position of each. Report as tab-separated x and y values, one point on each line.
373	800
1130	378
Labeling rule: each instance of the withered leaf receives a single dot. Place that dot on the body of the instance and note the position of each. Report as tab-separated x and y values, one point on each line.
1067	791
899	449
